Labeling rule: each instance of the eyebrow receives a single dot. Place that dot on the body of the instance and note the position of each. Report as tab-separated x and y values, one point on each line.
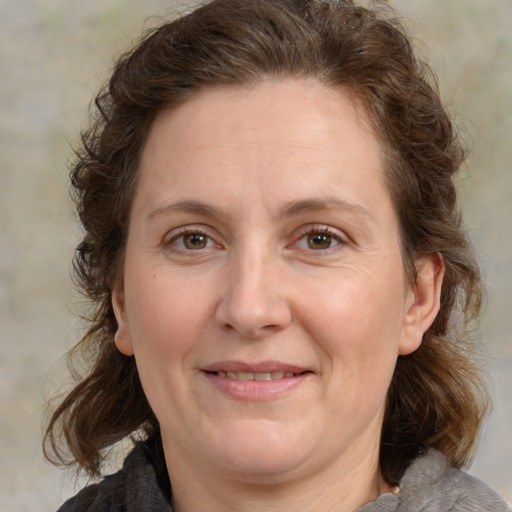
189	206
299	207
291	209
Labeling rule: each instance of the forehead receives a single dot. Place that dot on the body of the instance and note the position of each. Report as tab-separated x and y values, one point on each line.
292	138
285	102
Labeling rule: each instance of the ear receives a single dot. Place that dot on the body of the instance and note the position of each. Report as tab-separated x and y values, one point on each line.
122	338
423	302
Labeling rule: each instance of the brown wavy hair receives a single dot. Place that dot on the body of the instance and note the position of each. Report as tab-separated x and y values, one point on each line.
436	396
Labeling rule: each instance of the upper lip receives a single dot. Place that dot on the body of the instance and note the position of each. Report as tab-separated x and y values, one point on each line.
262	367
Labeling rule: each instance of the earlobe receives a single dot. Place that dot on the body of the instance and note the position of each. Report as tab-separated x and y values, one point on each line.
423	303
122	337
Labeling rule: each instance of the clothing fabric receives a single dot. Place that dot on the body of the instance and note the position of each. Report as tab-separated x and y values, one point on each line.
428	485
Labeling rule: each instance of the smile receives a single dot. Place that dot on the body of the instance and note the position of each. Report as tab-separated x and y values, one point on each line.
266	380
260	376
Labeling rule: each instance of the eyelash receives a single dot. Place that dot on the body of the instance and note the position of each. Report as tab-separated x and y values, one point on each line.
305	232
322	230
182	233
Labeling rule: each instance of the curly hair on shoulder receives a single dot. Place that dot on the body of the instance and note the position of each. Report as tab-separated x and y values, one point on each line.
436	397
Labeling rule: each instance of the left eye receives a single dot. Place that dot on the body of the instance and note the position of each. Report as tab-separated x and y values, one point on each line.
318	241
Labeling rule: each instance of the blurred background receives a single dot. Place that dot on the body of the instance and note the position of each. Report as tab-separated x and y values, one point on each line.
54	54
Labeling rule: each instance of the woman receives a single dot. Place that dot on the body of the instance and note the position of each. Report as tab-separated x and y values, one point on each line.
277	268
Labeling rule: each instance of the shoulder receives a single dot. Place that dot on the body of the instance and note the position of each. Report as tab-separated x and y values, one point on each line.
133	488
431	485
105	496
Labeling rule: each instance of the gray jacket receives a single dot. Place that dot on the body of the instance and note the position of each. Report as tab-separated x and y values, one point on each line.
428	485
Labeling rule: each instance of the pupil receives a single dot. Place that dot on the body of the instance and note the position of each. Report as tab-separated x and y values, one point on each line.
319	241
195	241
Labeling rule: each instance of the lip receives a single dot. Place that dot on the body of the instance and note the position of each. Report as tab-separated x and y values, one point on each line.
252	390
261	367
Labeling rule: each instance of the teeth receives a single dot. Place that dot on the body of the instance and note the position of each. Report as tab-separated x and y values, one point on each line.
261	376
243	375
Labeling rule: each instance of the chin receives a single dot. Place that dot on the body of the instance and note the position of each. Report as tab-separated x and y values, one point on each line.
262	451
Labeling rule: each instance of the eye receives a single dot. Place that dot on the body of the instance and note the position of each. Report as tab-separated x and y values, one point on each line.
193	240
319	240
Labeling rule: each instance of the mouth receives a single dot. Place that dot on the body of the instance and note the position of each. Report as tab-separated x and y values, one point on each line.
257	376
266	380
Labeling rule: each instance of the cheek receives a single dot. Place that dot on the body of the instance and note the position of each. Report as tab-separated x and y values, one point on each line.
166	314
352	305
357	325
167	322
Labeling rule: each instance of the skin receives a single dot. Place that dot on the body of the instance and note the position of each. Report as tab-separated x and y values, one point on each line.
262	233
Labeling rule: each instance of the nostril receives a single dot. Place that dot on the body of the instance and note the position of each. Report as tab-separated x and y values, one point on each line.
250	312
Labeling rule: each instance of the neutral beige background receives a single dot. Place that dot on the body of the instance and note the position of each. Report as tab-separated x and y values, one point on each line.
54	54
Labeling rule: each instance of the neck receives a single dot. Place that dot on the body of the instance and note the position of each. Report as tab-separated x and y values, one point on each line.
341	487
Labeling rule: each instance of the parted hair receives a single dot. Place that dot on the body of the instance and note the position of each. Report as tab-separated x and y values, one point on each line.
436	397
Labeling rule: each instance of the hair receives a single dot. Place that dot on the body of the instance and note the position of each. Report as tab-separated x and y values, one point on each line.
436	398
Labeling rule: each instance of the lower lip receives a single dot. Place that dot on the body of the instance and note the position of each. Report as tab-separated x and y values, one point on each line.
256	390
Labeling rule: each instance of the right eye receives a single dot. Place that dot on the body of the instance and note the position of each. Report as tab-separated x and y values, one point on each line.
192	240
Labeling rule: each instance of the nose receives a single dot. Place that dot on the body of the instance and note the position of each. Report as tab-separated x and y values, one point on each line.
254	301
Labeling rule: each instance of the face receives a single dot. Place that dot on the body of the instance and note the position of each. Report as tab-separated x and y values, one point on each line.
264	294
